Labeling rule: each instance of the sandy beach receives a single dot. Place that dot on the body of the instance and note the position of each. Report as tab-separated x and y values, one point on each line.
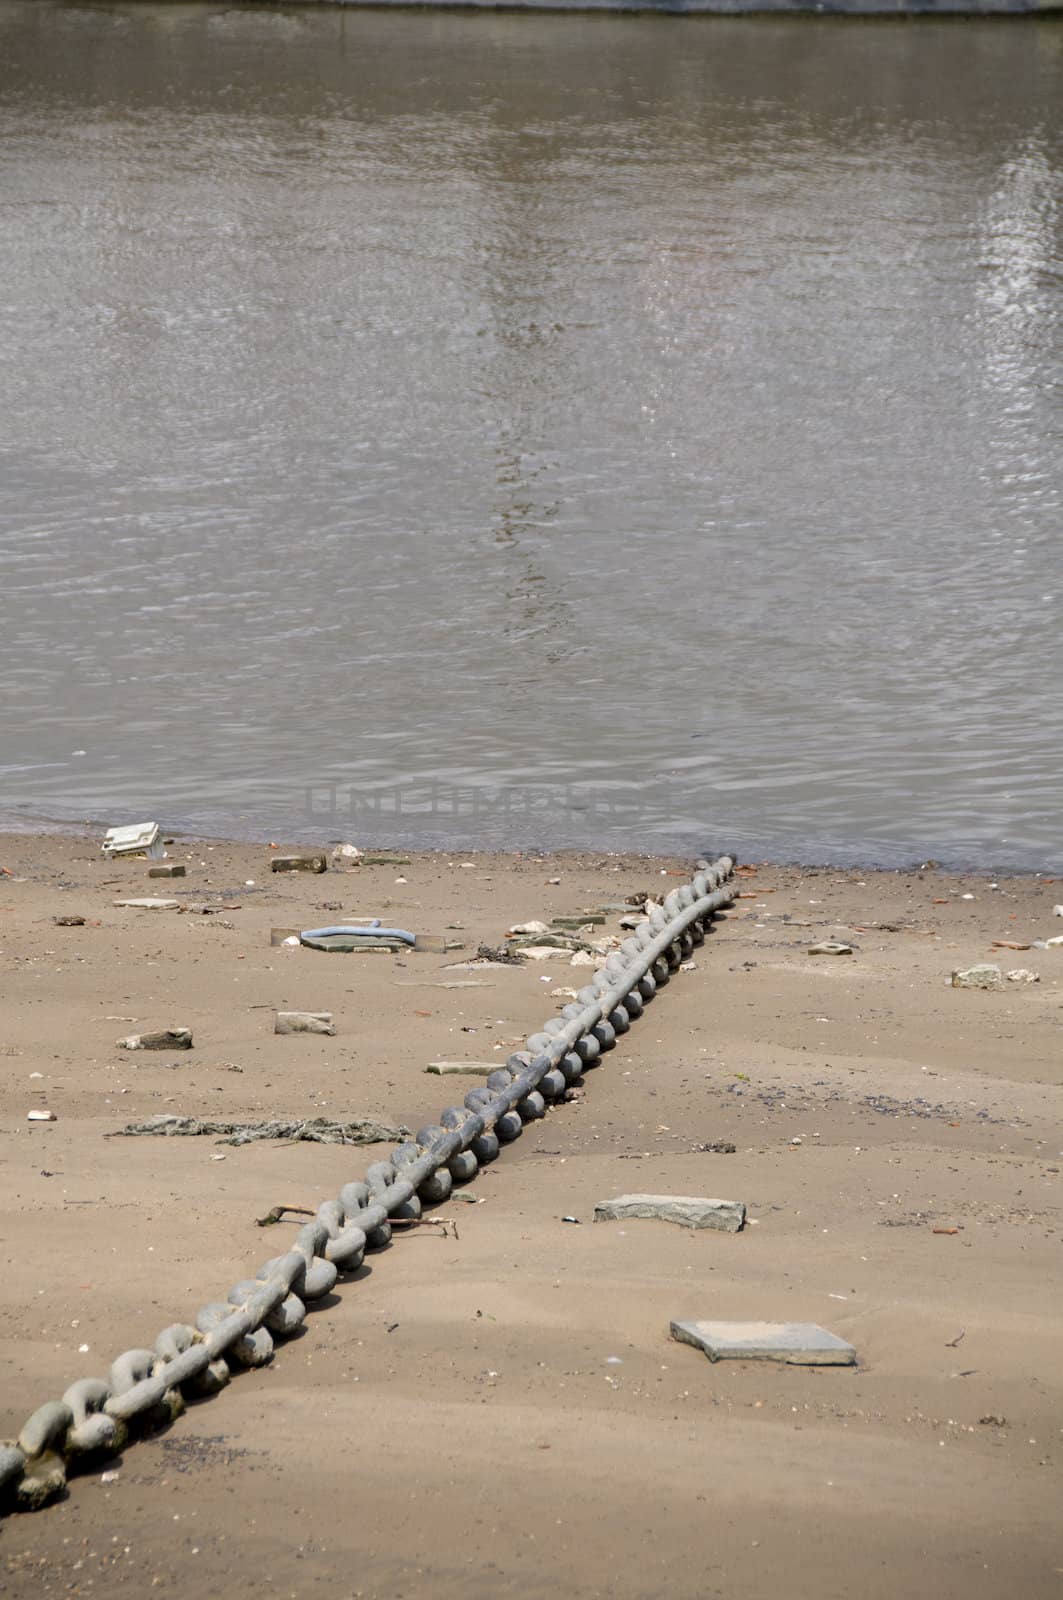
500	1410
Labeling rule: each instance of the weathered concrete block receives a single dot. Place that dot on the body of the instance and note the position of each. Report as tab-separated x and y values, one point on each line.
148	903
317	862
727	1216
471	1069
166	1039
801	1344
169	869
983	975
353	944
303	1022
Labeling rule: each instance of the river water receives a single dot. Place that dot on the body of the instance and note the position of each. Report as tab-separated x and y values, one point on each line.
527	429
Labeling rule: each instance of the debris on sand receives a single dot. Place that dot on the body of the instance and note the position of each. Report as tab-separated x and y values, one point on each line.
688	1211
802	1344
165	1039
313	863
303	1022
315	1130
983	975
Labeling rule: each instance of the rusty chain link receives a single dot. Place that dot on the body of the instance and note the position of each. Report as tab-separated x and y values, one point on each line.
148	1387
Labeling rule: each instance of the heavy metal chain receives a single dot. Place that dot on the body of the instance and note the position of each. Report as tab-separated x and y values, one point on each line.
146	1388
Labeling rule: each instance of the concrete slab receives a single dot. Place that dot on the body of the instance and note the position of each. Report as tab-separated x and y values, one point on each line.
801	1344
689	1211
148	903
303	1022
469	1069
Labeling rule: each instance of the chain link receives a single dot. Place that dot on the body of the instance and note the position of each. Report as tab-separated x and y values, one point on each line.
147	1388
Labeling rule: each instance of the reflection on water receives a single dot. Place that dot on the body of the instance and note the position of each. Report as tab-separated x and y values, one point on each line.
653	421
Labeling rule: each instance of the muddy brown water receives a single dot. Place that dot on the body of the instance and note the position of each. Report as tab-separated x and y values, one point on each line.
525	429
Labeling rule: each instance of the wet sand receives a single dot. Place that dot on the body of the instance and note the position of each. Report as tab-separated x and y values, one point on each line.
450	1422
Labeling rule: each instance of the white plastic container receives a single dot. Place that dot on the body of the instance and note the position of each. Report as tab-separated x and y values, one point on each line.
139	839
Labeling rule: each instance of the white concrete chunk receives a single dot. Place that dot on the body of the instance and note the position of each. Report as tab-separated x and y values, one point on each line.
471	1069
165	1039
983	975
801	1344
687	1210
303	1022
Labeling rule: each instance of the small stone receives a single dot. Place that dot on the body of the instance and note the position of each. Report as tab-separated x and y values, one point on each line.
148	903
170	869
582	958
42	1116
313	863
727	1216
303	1022
165	1039
530	927
539	952
69	922
590	919
801	1344
983	975
1052	944
454	1069
830	947
1023	975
